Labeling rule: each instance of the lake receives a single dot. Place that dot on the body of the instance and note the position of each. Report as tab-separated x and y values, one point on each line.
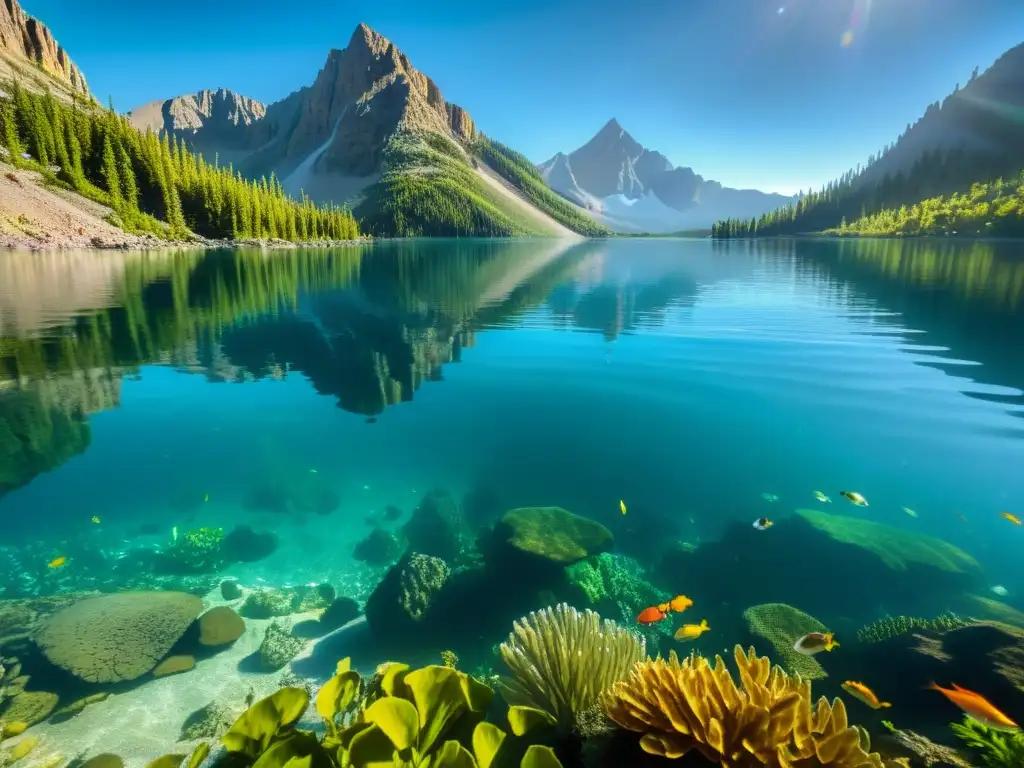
700	384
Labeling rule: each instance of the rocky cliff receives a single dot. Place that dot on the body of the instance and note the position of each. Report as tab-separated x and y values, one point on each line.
29	52
633	188
217	118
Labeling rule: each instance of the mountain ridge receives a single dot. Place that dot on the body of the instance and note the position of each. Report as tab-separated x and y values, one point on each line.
633	188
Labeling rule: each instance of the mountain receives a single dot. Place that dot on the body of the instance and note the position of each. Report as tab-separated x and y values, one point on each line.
29	54
374	132
215	118
982	118
635	189
955	170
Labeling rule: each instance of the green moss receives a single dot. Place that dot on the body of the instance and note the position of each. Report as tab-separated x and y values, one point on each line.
196	551
897	548
894	626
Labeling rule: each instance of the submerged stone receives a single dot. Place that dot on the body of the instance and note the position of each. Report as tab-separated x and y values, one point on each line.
553	534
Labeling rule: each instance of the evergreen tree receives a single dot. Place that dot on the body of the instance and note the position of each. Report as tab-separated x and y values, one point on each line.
110	176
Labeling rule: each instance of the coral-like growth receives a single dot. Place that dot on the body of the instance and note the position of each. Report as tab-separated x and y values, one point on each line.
769	720
782	625
197	551
894	626
562	659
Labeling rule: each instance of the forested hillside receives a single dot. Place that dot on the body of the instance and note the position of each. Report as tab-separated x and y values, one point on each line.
518	171
431	189
988	210
971	137
152	184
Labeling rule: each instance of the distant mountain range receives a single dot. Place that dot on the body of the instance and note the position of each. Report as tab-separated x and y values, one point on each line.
634	189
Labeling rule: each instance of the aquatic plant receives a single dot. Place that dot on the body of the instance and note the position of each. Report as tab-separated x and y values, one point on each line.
450	659
782	625
894	626
997	749
197	551
562	659
926	749
430	716
769	720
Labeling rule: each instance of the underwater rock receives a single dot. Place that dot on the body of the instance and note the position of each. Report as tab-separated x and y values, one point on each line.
30	707
229	589
986	657
482	505
209	722
380	547
326	592
339	613
172	665
244	545
781	626
553	534
435	527
118	637
404	597
279	646
826	565
266	603
220	626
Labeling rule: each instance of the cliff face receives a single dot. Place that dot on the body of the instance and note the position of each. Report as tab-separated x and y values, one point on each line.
363	95
27	46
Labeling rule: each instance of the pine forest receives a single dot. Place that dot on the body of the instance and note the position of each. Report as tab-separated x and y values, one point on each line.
154	184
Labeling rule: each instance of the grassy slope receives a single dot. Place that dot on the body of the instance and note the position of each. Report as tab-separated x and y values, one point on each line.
516	169
430	188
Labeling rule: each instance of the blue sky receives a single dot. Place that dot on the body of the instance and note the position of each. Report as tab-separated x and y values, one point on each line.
739	90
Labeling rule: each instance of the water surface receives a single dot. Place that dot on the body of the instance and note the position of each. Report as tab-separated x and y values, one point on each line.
685	377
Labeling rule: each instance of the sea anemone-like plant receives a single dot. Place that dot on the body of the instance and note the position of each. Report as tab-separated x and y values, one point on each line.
894	626
768	720
562	659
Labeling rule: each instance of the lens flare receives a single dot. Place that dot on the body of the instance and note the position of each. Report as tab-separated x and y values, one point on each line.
847	39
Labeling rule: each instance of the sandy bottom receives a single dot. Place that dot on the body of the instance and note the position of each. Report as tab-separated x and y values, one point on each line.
145	723
38	217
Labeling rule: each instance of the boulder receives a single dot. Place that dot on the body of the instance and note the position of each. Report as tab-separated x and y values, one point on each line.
172	665
552	534
117	637
220	626
404	597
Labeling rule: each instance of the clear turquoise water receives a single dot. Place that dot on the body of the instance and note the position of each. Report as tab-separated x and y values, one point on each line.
684	377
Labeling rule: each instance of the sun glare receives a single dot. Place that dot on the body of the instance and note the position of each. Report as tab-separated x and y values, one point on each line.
858	22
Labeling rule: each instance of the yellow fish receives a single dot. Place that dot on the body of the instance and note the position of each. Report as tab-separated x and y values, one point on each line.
1012	518
622	506
206	497
57	563
692	631
822	497
910	512
862	693
855	498
96	520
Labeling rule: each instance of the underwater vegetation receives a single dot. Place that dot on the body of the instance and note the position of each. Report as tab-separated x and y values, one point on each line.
997	749
893	626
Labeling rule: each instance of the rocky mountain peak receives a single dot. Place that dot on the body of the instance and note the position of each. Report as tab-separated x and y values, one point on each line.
208	116
26	40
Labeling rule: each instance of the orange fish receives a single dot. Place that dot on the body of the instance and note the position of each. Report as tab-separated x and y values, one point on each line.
862	693
653	614
976	707
57	563
679	603
1012	518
